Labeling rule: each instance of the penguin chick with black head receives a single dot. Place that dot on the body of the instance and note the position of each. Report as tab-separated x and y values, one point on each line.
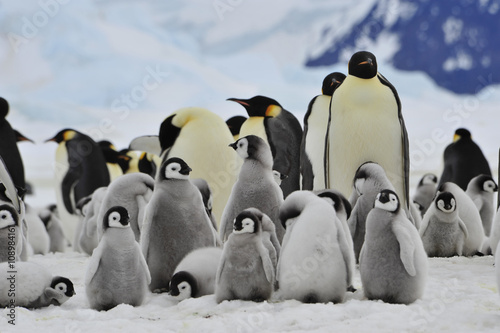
481	189
10	226
425	192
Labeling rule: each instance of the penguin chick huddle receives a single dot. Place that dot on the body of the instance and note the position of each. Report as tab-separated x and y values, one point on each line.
256	208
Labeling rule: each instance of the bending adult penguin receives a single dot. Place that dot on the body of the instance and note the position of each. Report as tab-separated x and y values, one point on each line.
80	169
281	130
425	192
255	186
367	125
463	160
443	232
313	235
175	223
245	270
117	272
393	263
481	189
234	124
313	149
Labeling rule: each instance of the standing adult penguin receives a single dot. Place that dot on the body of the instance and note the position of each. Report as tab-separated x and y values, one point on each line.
481	190
463	160
255	186
175	223
367	125
393	263
425	192
80	169
281	130
314	147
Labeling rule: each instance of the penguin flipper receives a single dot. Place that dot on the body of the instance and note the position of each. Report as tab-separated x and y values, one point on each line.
423	227
347	254
145	230
94	263
267	264
67	185
462	226
143	263
406	245
147	143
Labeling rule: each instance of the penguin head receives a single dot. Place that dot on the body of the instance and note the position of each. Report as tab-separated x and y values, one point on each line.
363	65
4	108
183	285
331	82
278	177
253	147
338	201
8	217
428	179
259	106
64	135
365	171
387	200
461	133
116	217
175	168
445	202
487	184
64	289
247	222
234	124
168	133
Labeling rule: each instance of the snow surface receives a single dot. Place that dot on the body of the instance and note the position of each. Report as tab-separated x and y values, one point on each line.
77	67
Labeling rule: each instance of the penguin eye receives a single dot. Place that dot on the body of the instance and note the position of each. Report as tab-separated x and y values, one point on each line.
61	287
4	216
183	287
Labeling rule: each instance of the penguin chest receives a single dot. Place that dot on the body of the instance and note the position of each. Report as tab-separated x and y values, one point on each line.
255	126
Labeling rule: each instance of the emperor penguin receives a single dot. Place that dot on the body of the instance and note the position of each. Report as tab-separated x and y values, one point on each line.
245	270
443	232
316	260
113	158
367	125
195	275
313	149
131	191
54	229
425	192
481	189
175	223
255	186
469	214
393	263
37	236
117	272
463	160
369	180
234	124
80	169
129	161
11	234
147	164
281	130
35	286
208	198
89	235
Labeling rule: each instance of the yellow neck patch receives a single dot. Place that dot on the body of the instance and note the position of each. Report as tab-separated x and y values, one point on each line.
273	111
68	135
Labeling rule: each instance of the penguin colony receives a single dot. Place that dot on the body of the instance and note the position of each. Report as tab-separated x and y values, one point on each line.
280	213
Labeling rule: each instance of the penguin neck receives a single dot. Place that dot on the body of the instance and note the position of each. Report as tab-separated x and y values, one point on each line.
124	239
255	169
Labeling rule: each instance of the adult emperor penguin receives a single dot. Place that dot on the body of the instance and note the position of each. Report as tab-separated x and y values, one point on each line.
117	272
425	192
80	168
245	270
281	130
316	260
175	223
35	287
367	125
468	213
11	234
113	158
195	275
234	124
255	186
393	263
443	232
481	189
313	149
463	160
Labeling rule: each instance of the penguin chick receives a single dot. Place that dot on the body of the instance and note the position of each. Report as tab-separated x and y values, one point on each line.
425	192
481	189
10	231
53	227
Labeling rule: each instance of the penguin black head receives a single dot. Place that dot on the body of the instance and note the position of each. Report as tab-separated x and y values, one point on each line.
64	288
8	217
63	135
116	217
462	133
183	285
247	222
168	133
234	124
331	82
338	201
387	200
363	64
428	179
21	138
259	106
248	146
146	164
80	205
362	173
486	183
176	168
4	108
445	202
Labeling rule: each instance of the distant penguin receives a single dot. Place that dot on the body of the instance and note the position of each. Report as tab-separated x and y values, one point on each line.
443	232
128	161
316	259
469	214
393	263
175	223
369	180
117	272
281	130
89	235
245	271
481	189
131	191
208	198
38	236
314	146
35	286
113	159
234	124
463	160
147	164
11	234
80	168
194	276
255	186
54	228
425	192
367	125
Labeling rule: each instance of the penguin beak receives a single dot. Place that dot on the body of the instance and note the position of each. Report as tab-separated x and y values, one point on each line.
240	101
383	198
367	62
185	171
50	140
233	145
